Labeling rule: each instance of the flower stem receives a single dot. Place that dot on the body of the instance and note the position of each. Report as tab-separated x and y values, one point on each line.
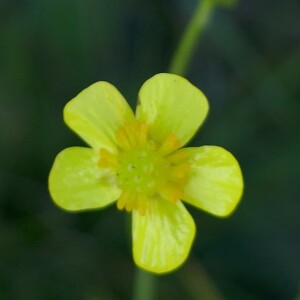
145	283
193	32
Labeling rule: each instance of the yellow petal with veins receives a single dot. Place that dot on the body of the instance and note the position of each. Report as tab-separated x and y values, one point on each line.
77	183
171	105
215	183
162	238
97	113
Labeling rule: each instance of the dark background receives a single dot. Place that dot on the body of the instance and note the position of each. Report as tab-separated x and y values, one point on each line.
247	64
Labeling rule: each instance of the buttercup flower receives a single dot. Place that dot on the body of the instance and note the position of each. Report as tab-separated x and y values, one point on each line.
136	162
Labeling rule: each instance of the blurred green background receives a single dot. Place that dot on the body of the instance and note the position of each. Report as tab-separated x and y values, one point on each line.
248	65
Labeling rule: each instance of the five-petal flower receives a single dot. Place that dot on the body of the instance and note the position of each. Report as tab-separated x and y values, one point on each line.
136	161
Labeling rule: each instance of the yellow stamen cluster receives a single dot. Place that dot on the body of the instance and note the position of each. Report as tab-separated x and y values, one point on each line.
145	168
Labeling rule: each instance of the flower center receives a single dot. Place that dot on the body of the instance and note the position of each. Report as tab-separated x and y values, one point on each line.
140	169
144	168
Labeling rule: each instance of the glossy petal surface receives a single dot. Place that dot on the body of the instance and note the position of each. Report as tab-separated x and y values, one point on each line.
171	105
162	238
215	183
77	183
97	113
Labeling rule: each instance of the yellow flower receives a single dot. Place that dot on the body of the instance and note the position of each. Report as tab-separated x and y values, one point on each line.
135	162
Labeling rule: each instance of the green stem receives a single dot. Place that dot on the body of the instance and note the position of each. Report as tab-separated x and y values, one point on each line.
193	32
144	288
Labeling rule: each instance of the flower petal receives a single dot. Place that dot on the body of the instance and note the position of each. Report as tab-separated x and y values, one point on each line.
77	183
162	238
171	105
215	183
97	113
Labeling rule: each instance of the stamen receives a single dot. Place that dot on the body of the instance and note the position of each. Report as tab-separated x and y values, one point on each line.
142	131
170	191
107	159
131	202
171	143
178	156
131	134
122	200
179	171
142	204
122	139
